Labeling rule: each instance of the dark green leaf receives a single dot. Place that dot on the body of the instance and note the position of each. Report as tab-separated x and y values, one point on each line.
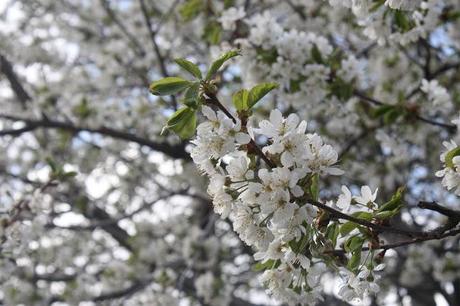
382	110
189	66
168	86
332	232
267	56
316	55
341	89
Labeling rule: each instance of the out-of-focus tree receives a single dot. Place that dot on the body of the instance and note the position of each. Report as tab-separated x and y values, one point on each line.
235	152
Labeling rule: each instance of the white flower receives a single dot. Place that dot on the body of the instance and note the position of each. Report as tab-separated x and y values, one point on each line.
238	169
275	251
230	16
367	196
344	199
437	94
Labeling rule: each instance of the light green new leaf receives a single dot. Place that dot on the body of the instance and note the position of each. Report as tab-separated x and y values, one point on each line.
190	9
450	156
189	66
215	66
387	213
354	243
347	227
314	187
168	86
354	261
259	91
394	202
183	122
191	96
240	100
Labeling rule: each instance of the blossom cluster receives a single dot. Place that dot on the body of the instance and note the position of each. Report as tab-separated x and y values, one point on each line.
269	206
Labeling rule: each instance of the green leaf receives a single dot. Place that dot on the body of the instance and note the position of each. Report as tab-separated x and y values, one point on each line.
190	67
259	91
376	5
332	233
266	265
316	55
314	187
191	96
354	243
83	109
387	213
382	110
392	115
354	261
215	66
240	100
394	202
183	122
168	86
347	227
402	20
364	215
191	9
448	159
267	56
212	33
341	89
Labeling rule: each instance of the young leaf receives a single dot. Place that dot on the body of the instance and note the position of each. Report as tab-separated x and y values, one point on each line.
395	201
354	261
354	243
215	66
314	187
190	9
183	122
450	156
191	96
332	232
259	91
387	213
212	32
168	86
190	67
347	227
240	100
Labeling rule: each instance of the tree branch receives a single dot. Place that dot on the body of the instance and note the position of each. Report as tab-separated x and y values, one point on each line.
174	151
7	69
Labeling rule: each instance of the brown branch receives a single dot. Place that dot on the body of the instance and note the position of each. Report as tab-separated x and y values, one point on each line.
451	214
174	151
7	69
377	227
450	127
